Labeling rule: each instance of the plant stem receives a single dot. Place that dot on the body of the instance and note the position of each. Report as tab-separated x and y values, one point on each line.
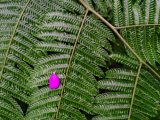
70	60
151	69
119	36
112	28
134	91
12	37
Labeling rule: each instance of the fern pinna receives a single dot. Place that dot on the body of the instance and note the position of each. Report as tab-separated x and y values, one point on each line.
134	91
78	49
17	28
74	39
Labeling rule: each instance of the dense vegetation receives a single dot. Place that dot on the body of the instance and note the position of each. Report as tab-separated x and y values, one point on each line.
106	53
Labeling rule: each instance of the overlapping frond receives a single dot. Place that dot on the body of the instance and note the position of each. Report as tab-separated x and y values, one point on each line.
133	93
140	27
18	20
74	43
9	109
78	42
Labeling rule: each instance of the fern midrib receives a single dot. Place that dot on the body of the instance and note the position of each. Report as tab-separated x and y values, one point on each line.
134	91
12	36
111	27
119	36
70	60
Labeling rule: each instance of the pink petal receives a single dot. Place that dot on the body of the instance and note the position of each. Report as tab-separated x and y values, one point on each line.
54	81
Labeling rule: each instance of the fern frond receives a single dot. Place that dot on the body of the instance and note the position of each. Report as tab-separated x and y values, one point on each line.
133	93
79	51
40	37
17	28
126	60
118	21
104	6
9	109
142	38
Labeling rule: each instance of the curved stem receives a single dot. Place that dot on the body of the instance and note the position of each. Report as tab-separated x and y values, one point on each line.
70	60
111	27
151	69
134	91
12	36
119	36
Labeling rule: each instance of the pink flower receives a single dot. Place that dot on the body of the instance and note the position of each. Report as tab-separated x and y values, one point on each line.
54	81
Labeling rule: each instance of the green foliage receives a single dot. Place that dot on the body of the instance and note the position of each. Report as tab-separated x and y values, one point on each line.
74	39
17	26
141	37
75	59
121	82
